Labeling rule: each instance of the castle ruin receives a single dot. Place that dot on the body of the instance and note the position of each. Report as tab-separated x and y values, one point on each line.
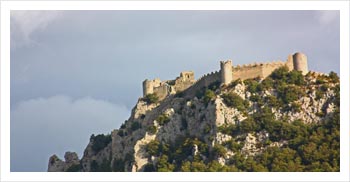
225	76
165	88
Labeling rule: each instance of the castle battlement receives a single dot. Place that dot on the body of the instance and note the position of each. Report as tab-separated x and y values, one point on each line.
225	75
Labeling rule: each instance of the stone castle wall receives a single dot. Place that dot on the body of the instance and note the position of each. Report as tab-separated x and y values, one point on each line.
165	88
225	76
203	82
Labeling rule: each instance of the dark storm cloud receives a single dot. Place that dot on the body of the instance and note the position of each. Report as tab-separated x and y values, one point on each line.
107	54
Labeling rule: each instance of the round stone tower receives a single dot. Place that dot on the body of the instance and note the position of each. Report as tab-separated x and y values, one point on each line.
226	72
147	87
300	63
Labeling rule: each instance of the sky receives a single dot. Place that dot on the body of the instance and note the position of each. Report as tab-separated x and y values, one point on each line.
78	73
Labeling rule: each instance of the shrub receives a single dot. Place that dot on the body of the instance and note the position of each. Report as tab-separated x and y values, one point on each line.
162	119
230	129
272	101
255	98
207	129
153	147
334	77
266	84
296	77
121	133
164	165
100	142
123	126
319	94
135	126
252	85
295	107
219	150
249	125
290	93
151	98
209	95
233	100
280	73
233	145
234	83
152	129
321	80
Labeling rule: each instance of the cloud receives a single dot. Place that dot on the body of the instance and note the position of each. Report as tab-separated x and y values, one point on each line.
25	23
42	127
327	17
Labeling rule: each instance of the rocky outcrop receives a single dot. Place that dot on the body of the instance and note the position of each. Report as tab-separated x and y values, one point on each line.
182	116
56	164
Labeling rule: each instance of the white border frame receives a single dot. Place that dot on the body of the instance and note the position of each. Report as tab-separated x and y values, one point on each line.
7	6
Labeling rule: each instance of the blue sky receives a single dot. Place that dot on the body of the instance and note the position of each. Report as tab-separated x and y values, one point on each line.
77	73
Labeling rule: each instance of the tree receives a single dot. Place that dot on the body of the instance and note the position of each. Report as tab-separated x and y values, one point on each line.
249	125
280	73
153	147
135	125
209	95
152	129
233	100
334	77
100	142
151	98
296	77
252	85
163	164
162	119
219	150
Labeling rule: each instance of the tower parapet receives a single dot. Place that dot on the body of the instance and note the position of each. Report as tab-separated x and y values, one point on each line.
149	85
226	72
300	63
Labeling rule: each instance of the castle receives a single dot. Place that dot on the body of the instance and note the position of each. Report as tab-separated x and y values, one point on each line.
225	76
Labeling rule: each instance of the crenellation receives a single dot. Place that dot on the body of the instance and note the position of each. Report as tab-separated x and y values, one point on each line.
225	75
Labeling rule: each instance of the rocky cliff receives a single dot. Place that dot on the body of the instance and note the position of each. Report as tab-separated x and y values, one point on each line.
286	122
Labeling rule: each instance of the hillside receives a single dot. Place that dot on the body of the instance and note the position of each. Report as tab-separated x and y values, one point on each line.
285	122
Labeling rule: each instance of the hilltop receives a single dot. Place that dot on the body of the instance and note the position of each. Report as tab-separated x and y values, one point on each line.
261	117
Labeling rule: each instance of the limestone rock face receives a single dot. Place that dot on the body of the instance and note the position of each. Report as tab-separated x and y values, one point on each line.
56	164
178	116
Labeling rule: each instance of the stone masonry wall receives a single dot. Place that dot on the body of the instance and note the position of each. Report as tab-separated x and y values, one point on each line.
202	82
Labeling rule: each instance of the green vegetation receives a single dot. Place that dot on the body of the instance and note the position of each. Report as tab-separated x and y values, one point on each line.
152	129
162	119
99	142
233	145
121	133
334	78
234	83
252	85
219	150
151	98
308	147
209	95
233	100
135	126
153	147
